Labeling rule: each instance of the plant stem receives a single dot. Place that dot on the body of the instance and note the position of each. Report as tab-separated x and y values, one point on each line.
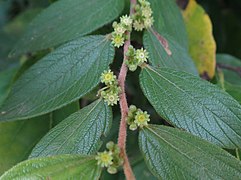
124	106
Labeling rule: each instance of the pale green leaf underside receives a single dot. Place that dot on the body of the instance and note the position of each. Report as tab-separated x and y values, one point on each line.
59	78
55	168
194	104
65	20
167	16
179	60
174	154
80	133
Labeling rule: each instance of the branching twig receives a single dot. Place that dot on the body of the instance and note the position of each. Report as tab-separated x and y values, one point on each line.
124	107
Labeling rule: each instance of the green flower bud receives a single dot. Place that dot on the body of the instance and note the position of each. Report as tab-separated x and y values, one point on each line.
110	145
111	170
132	67
132	108
133	127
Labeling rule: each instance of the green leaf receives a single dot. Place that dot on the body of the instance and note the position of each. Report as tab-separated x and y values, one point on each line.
167	16
55	167
142	172
229	61
18	138
179	59
227	75
66	20
19	24
174	154
6	77
64	112
193	104
80	133
60	78
233	90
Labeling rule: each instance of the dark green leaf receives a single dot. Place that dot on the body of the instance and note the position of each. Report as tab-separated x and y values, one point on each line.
19	24
66	20
179	59
173	154
18	138
59	78
64	112
142	172
194	104
55	167
226	60
233	90
80	133
167	16
6	78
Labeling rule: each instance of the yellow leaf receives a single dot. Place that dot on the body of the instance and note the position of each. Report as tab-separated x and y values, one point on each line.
202	46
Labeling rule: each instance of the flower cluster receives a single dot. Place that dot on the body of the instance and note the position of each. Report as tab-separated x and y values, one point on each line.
120	29
110	93
111	158
137	118
143	16
135	57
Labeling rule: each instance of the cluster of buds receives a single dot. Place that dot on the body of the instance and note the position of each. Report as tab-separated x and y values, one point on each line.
120	29
142	16
110	93
135	57
137	118
111	158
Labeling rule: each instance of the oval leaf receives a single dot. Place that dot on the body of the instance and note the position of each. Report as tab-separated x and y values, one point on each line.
60	78
179	59
80	133
167	15
194	104
202	46
55	167
173	154
231	68
60	114
18	138
65	20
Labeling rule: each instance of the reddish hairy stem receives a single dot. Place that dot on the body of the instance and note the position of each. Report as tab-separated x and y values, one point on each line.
124	107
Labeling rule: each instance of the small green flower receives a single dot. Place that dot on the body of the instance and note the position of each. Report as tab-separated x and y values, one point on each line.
144	3
117	40
138	25
141	55
108	77
146	11
111	159
111	98
118	28
126	21
104	158
148	22
141	118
